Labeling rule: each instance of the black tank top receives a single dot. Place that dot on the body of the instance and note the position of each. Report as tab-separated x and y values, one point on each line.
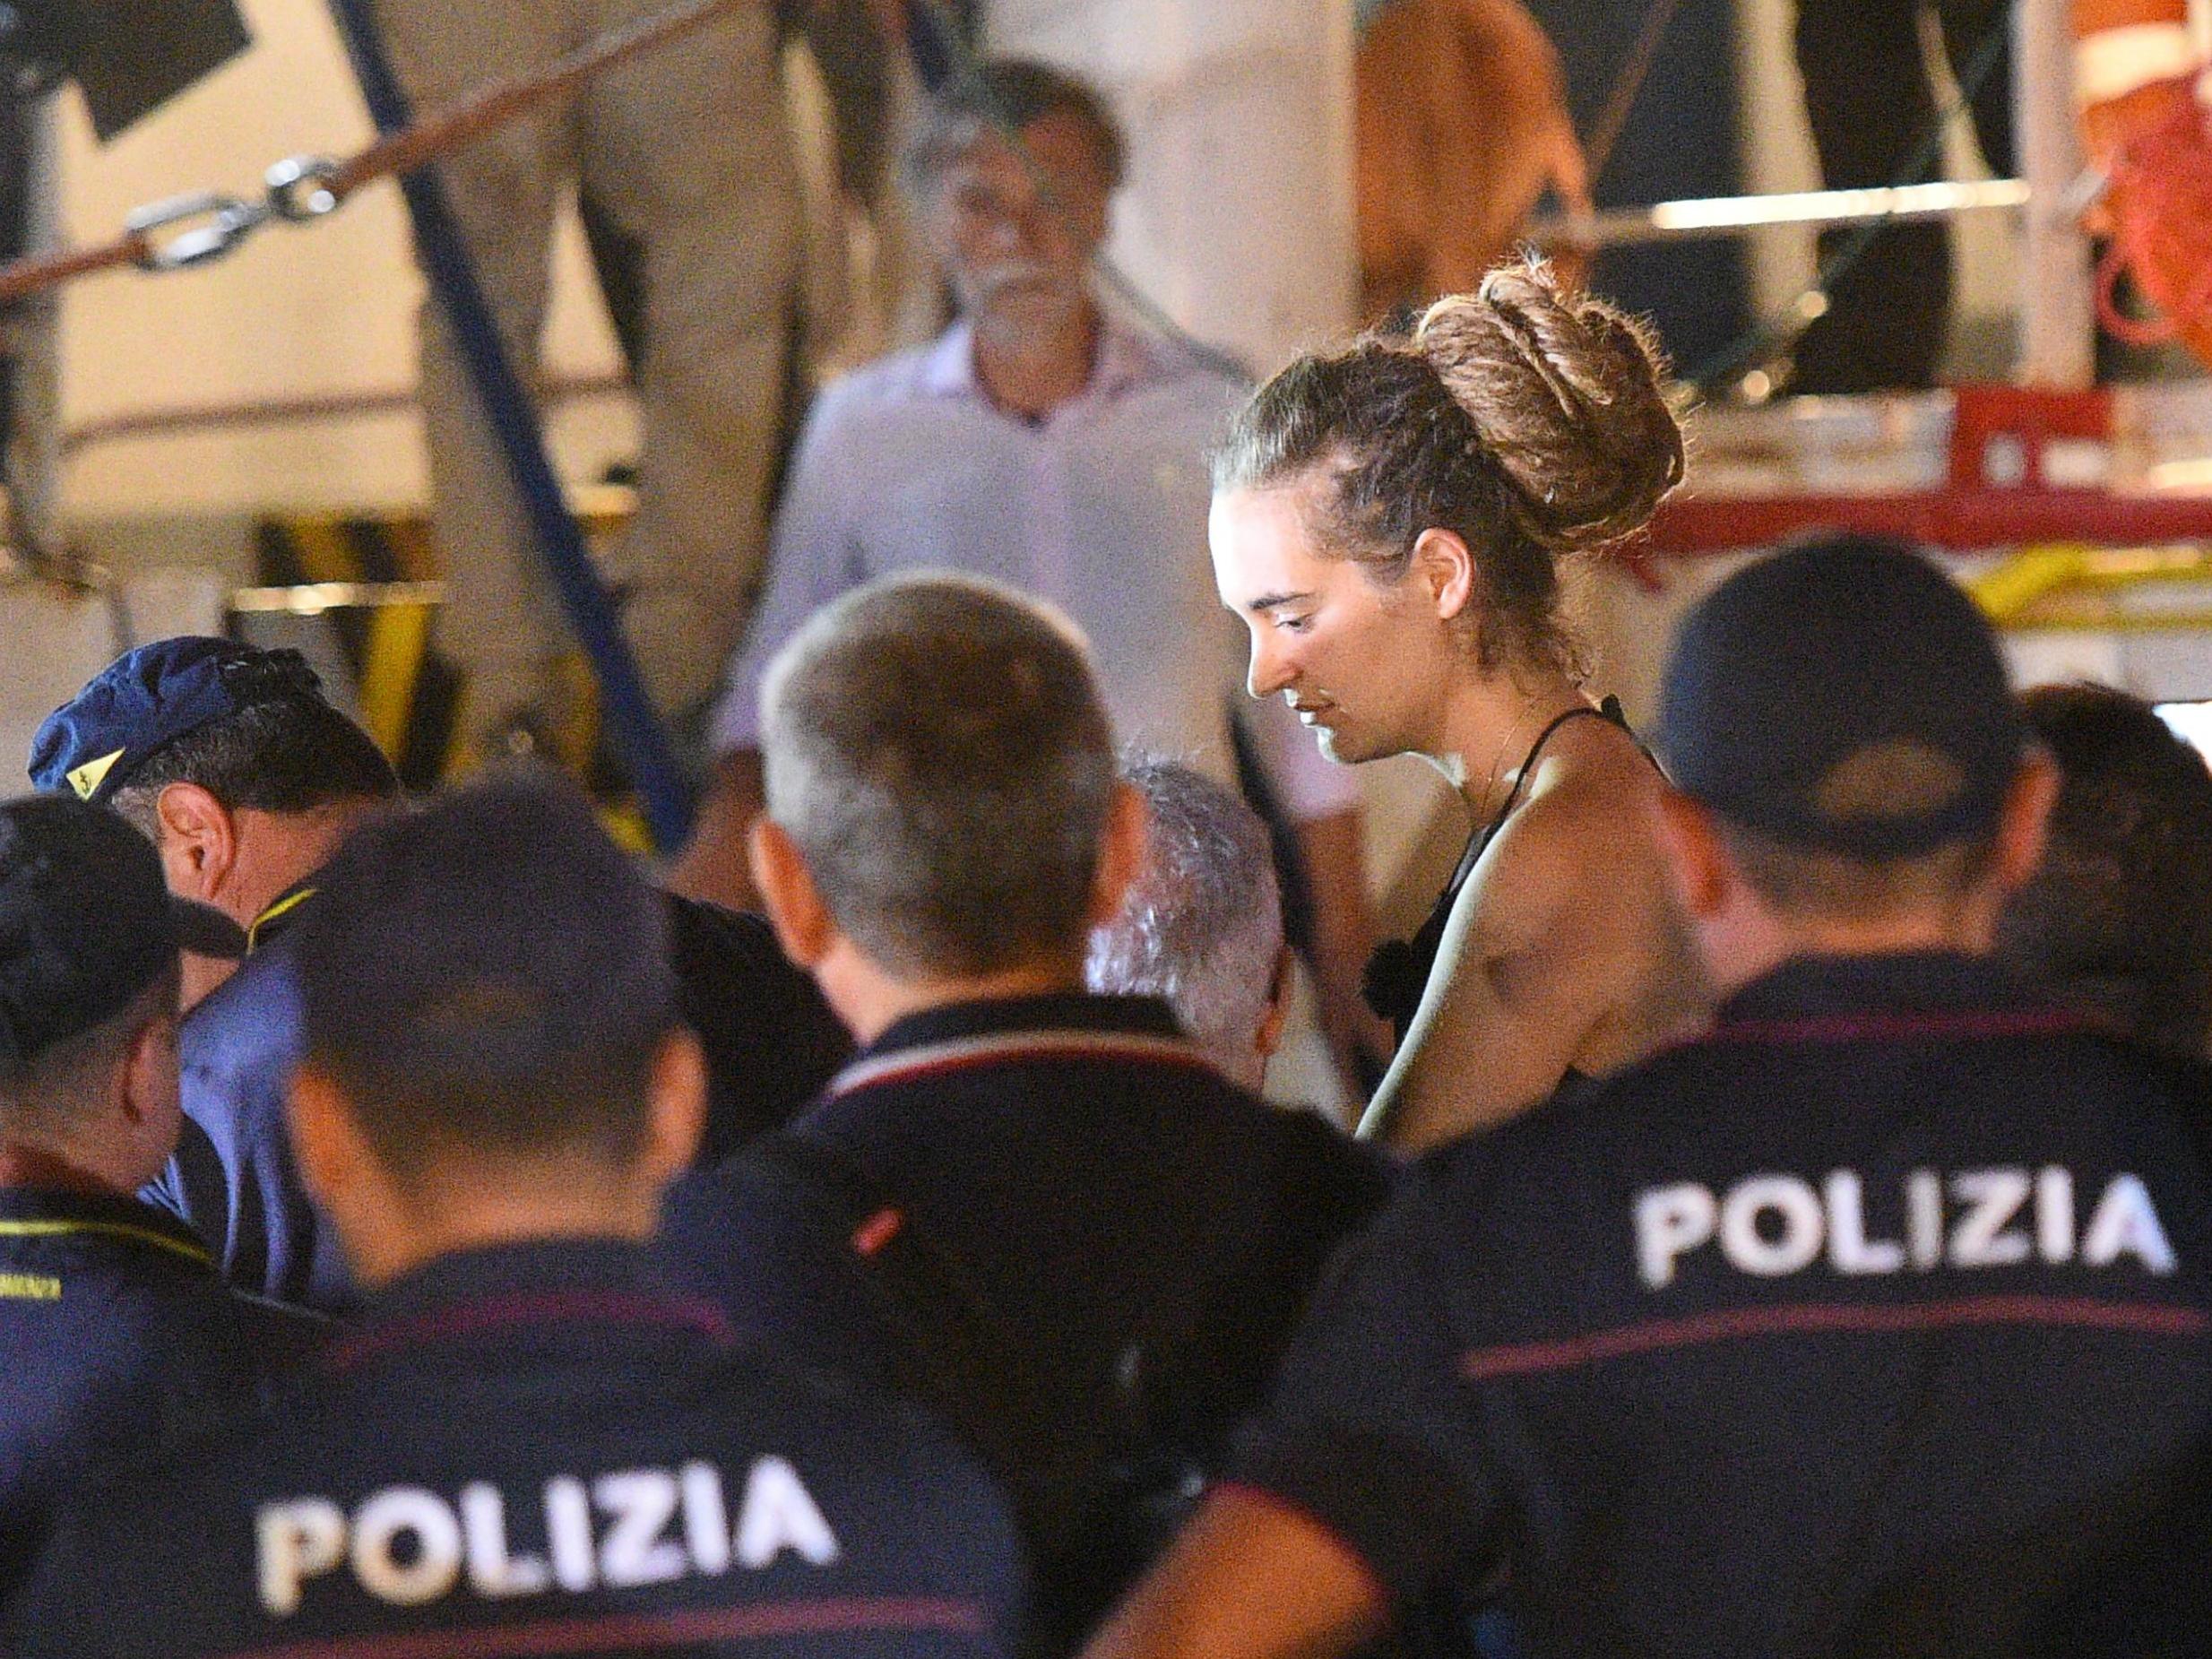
1398	972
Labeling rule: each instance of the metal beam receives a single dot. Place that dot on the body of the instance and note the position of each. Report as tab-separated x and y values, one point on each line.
1962	519
1726	216
2058	305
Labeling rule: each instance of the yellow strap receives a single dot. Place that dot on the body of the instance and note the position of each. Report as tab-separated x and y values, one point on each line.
398	643
253	934
117	1230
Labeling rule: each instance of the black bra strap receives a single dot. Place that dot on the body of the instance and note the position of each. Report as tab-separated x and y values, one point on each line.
1399	968
1609	711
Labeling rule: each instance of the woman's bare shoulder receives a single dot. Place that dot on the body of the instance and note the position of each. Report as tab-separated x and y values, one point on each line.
1590	818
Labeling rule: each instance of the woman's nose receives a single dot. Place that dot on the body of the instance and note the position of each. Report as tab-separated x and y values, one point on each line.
1271	669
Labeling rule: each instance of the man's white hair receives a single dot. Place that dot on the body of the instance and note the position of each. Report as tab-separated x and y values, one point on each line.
1202	925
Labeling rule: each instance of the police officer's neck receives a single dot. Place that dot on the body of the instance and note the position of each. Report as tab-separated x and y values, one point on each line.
386	1243
470	1187
31	1163
257	859
277	850
1752	941
871	998
99	1145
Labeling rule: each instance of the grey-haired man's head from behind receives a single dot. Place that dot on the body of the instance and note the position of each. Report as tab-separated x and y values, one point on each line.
1201	927
936	750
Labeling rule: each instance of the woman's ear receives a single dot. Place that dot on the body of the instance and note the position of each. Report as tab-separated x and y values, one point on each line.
1444	565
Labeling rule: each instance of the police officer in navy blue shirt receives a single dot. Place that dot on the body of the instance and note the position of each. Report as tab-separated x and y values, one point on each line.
528	1443
119	1337
1877	1321
1042	1212
246	778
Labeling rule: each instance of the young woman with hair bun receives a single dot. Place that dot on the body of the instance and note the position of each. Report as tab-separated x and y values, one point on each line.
1389	521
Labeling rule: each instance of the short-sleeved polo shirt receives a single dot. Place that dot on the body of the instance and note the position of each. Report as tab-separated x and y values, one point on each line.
1091	1184
1883	1313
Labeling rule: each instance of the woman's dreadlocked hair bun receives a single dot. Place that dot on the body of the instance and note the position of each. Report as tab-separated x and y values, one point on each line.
1564	392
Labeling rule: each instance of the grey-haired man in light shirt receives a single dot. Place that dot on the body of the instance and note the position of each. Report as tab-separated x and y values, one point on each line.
1044	441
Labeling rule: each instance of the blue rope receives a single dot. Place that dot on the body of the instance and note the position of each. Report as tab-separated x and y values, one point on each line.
629	716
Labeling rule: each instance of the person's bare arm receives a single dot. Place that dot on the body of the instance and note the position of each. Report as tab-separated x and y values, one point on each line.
1537	952
713	866
1534	87
1248	1579
1344	925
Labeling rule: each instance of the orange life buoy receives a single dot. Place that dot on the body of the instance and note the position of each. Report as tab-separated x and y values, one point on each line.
2141	89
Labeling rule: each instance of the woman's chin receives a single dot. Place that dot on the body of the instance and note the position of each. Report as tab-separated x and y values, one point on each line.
1342	748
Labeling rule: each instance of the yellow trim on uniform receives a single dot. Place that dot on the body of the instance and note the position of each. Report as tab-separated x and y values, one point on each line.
253	934
117	1229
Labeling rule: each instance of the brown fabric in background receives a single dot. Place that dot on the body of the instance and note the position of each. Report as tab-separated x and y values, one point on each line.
1459	104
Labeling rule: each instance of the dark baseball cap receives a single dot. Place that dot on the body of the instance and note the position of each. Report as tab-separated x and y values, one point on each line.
148	698
1843	694
85	922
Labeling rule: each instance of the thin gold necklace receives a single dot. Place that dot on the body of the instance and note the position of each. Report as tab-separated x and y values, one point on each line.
1497	765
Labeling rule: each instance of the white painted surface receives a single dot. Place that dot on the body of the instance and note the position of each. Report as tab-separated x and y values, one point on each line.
55	639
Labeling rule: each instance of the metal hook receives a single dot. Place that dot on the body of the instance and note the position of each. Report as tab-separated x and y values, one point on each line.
230	219
299	188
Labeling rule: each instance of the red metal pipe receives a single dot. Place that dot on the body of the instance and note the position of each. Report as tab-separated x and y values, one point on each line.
1960	519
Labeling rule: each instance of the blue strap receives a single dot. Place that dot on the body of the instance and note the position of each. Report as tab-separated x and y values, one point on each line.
932	40
629	716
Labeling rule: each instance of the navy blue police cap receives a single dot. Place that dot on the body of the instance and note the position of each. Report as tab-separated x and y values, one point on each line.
85	922
148	698
1811	682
